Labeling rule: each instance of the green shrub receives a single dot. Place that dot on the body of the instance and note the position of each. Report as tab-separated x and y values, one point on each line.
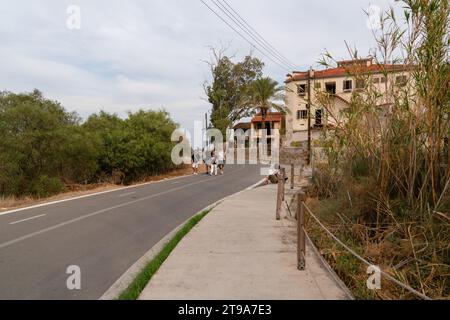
45	186
43	146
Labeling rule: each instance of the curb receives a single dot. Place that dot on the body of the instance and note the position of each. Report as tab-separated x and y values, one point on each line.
328	267
125	280
330	270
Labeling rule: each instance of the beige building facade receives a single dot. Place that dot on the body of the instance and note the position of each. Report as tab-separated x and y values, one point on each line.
340	83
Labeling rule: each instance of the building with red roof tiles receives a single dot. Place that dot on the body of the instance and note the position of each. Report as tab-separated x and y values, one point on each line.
341	83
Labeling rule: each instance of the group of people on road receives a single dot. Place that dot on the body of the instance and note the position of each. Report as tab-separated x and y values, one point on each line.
214	160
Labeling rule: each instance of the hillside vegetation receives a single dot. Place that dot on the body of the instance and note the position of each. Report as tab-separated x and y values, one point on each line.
44	148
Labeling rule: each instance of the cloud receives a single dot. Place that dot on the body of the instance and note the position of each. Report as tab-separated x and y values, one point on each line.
148	54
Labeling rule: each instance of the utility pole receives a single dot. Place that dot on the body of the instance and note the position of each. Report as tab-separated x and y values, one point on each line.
309	115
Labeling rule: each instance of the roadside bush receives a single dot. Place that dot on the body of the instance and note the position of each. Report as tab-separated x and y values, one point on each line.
37	138
45	186
43	147
134	148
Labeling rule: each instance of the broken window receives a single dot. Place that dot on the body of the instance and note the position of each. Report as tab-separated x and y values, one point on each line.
348	85
302	89
330	87
319	116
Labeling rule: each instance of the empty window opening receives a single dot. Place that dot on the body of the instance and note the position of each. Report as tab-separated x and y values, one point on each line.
330	87
348	85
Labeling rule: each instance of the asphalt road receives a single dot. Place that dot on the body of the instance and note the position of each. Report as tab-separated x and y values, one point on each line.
103	234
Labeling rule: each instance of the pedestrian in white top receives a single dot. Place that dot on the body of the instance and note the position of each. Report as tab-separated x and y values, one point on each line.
221	161
213	163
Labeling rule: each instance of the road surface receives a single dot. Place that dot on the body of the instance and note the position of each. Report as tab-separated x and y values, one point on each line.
103	234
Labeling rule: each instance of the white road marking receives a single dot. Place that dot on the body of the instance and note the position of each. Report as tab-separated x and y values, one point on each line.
89	195
24	220
126	194
63	224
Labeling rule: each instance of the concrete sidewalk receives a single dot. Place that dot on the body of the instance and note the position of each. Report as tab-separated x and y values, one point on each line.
239	251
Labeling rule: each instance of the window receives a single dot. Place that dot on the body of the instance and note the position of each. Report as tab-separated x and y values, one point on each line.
319	116
383	80
376	80
360	84
302	89
348	85
302	114
318	85
330	87
401	81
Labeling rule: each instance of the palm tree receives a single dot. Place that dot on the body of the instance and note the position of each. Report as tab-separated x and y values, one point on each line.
265	95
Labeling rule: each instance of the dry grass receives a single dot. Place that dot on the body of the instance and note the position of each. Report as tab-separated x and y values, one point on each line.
386	188
409	257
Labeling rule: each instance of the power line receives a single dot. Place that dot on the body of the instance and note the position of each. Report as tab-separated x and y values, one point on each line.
282	65
261	37
236	19
243	37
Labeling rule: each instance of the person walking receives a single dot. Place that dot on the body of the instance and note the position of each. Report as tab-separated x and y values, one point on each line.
195	161
213	163
221	161
206	159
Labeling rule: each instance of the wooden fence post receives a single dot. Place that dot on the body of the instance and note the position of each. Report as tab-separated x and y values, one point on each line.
280	186
283	179
301	238
292	176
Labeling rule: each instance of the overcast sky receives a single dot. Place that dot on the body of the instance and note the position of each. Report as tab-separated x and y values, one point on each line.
148	54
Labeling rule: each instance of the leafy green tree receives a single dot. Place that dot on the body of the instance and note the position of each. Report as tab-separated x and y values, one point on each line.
40	146
44	147
133	148
230	88
107	131
149	133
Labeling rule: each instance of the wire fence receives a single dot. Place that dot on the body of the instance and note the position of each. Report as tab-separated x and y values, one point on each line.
357	256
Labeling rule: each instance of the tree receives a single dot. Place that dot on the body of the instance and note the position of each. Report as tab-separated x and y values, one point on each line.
265	93
44	147
133	148
231	87
41	146
107	132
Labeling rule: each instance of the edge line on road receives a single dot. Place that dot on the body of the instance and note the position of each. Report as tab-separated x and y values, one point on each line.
63	224
127	278
91	195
